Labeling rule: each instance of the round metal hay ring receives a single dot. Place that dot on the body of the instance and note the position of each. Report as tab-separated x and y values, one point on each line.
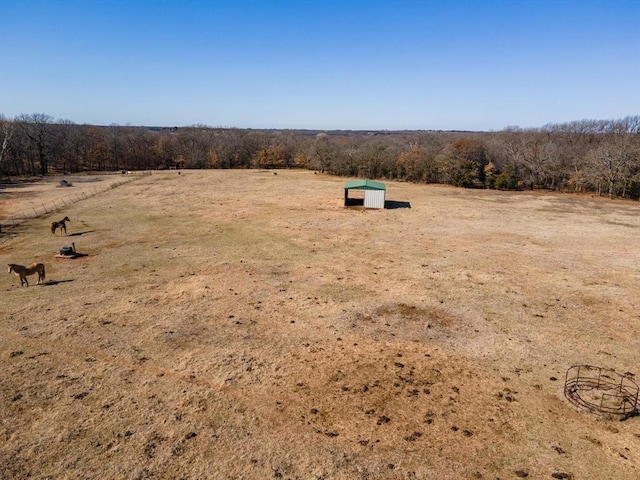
601	391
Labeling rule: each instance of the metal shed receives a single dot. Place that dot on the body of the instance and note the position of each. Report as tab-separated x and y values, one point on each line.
374	193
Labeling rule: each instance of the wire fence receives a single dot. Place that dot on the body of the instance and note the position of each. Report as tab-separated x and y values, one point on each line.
50	206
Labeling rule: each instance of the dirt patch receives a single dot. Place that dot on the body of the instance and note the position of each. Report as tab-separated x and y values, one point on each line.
237	324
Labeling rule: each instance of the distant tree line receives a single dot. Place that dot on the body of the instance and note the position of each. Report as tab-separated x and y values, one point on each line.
600	156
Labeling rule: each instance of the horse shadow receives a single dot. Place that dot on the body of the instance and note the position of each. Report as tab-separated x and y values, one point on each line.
50	283
77	234
392	204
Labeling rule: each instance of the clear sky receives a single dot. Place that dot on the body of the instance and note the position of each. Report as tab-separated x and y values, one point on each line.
321	64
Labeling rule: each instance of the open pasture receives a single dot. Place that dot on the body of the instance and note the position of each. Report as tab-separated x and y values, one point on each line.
241	324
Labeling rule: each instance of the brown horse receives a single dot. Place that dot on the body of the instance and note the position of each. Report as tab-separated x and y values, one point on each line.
61	225
22	272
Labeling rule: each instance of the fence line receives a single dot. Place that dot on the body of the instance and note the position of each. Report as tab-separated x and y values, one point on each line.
53	205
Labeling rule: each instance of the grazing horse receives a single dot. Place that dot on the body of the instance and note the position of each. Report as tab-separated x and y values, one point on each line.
22	272
61	225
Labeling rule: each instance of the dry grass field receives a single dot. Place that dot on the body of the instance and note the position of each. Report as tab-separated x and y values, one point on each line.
245	325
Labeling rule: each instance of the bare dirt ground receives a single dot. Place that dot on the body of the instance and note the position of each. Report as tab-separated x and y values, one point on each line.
29	196
241	324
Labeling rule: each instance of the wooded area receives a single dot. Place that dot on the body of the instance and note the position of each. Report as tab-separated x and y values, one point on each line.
599	156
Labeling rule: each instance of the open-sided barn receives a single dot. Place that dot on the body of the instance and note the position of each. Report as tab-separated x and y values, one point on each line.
374	193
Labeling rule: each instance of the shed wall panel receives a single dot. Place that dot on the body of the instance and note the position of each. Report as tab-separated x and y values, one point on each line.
374	198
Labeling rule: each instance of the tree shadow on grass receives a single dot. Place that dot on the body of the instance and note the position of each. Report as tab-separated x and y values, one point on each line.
16	184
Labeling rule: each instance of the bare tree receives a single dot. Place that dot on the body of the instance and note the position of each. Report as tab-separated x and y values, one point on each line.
614	162
322	153
6	132
37	128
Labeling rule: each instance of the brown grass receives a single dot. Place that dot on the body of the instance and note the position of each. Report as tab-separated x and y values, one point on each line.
237	324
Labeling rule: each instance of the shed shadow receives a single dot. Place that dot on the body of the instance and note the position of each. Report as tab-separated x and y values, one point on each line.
392	204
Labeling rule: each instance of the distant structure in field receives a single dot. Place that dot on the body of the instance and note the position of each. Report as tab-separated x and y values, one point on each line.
374	193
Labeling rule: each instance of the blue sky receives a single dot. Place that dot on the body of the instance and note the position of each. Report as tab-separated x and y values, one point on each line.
325	64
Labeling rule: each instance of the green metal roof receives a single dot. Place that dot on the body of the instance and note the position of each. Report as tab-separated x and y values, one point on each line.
364	185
